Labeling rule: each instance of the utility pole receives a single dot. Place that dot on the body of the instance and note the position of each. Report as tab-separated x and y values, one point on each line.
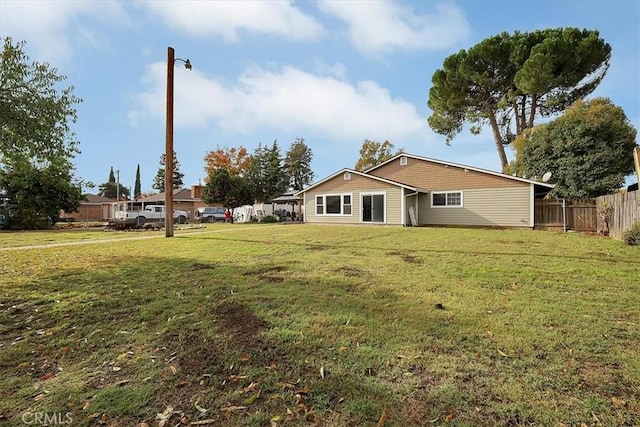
118	185
168	156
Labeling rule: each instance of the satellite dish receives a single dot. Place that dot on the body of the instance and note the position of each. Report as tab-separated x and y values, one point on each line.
546	177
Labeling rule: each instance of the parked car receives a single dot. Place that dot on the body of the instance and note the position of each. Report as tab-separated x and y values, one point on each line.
209	214
150	214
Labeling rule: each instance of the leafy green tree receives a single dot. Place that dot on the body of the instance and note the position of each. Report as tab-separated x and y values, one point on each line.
35	112
112	188
158	182
508	80
373	153
588	150
36	141
265	173
297	165
36	193
231	190
137	187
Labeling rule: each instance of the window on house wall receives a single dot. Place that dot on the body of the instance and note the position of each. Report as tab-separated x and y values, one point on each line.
346	204
446	199
334	204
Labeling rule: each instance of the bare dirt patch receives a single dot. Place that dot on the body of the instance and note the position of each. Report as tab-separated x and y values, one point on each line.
201	266
351	271
268	273
241	324
406	257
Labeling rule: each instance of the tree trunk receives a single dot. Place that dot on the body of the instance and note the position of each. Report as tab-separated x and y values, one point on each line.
532	115
498	140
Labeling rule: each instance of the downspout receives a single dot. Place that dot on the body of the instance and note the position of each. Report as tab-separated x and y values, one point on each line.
564	215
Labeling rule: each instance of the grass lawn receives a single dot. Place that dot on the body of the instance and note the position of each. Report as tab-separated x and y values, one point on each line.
12	239
289	325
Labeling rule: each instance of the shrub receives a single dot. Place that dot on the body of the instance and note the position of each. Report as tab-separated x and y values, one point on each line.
268	219
632	235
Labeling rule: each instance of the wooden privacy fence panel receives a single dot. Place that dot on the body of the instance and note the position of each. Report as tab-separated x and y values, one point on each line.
626	211
579	214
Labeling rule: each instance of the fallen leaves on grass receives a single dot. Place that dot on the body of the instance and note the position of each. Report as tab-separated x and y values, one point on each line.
229	410
618	403
383	418
168	413
235	378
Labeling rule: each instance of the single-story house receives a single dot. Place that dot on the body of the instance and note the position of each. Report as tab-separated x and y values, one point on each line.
415	190
94	208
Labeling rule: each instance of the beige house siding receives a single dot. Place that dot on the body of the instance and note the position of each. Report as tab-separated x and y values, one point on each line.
497	207
356	186
434	176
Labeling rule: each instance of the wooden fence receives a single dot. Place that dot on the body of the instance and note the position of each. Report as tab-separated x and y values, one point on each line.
578	215
626	211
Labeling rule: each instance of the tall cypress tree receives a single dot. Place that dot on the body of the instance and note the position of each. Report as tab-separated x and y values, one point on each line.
112	177
136	189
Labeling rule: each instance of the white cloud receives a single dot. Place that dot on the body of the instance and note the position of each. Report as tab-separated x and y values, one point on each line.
287	100
53	29
381	26
226	18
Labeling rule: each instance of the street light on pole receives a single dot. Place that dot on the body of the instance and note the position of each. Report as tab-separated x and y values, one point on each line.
168	156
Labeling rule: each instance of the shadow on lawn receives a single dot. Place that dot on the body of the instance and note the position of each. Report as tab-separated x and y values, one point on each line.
457	251
214	340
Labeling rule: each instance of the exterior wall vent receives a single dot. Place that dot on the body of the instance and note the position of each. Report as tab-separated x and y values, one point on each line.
347	176
403	160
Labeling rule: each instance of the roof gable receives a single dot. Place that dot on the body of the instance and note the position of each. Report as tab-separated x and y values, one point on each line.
355	172
457	165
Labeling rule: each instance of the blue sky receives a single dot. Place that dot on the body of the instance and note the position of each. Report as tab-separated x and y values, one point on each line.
332	72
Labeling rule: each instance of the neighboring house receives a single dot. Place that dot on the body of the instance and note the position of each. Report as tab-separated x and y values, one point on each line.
414	190
184	199
95	208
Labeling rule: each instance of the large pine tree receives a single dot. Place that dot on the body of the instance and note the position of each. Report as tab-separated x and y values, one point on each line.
158	182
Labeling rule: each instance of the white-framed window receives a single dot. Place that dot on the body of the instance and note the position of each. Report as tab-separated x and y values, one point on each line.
403	161
347	176
334	204
446	199
319	205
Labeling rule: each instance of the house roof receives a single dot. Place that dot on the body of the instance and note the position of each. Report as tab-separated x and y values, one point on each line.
472	168
291	196
93	199
179	194
355	172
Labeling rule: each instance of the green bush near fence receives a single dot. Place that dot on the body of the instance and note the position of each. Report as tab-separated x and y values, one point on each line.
632	235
